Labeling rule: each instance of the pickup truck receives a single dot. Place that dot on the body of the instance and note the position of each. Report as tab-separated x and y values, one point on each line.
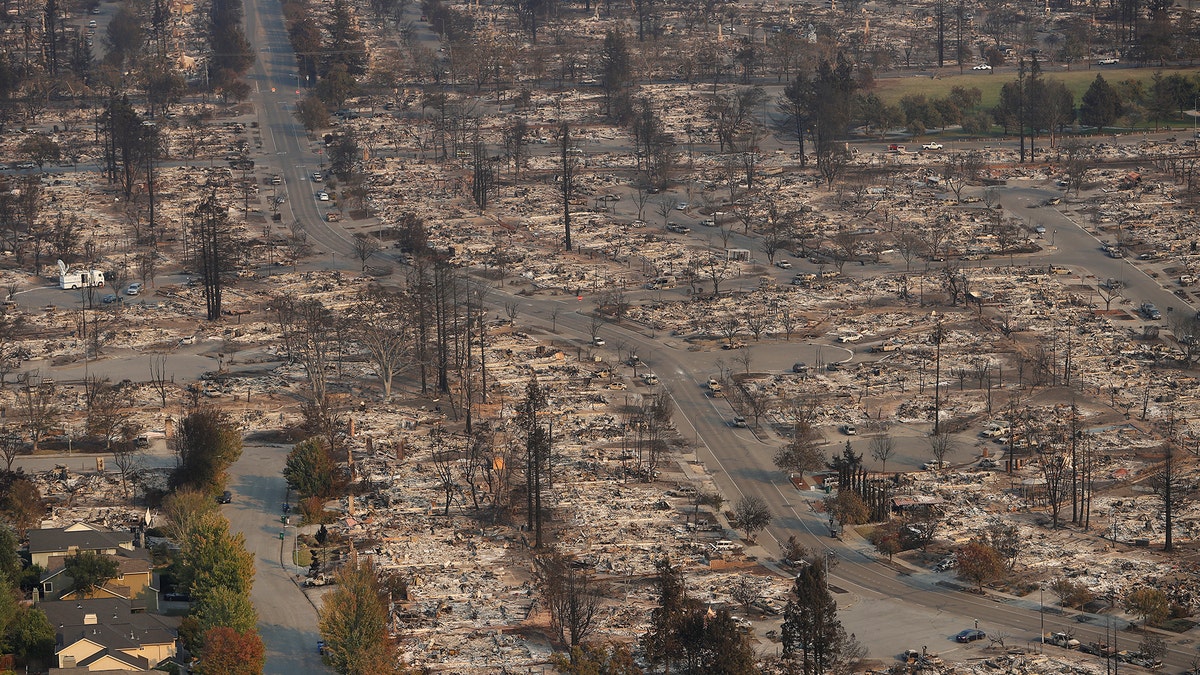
1062	640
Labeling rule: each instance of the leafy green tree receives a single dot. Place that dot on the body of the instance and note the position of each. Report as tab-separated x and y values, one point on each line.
337	85
309	469
40	148
713	644
185	509
213	558
886	539
124	36
848	508
220	608
10	561
796	105
1071	593
1148	603
345	46
20	501
229	652
89	570
344	153
979	563
231	52
1101	104
305	36
354	623
312	113
207	443
616	74
29	635
813	637
661	642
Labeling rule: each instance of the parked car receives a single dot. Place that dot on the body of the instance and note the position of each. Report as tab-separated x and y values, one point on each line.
849	429
783	264
799	367
225	498
316	176
982	66
1110	61
932	146
1149	311
321	647
598	341
323	196
970	635
109	299
739	422
134	288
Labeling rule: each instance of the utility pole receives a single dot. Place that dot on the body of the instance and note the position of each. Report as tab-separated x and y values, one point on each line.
941	38
1021	104
937	376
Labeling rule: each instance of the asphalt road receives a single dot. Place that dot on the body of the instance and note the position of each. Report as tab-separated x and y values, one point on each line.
287	620
1079	247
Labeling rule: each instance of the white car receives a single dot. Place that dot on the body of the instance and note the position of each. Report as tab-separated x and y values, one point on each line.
932	146
316	176
323	196
784	265
681	206
134	288
982	66
598	341
1110	61
849	337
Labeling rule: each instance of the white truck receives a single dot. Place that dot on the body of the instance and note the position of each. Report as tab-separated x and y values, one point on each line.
69	280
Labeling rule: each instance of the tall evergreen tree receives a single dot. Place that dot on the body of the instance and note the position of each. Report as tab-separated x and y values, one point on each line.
813	638
1101	104
345	44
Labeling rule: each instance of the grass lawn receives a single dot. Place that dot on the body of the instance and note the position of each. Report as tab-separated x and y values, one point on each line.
1078	79
303	557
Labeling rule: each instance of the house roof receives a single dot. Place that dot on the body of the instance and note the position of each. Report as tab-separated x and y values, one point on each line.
109	623
128	562
117	655
86	536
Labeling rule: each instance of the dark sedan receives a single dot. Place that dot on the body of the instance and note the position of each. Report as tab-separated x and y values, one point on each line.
970	635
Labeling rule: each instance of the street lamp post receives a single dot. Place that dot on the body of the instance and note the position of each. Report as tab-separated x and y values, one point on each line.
1042	615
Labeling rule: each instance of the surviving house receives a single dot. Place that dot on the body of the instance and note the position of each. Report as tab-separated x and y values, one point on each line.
105	634
134	581
80	537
